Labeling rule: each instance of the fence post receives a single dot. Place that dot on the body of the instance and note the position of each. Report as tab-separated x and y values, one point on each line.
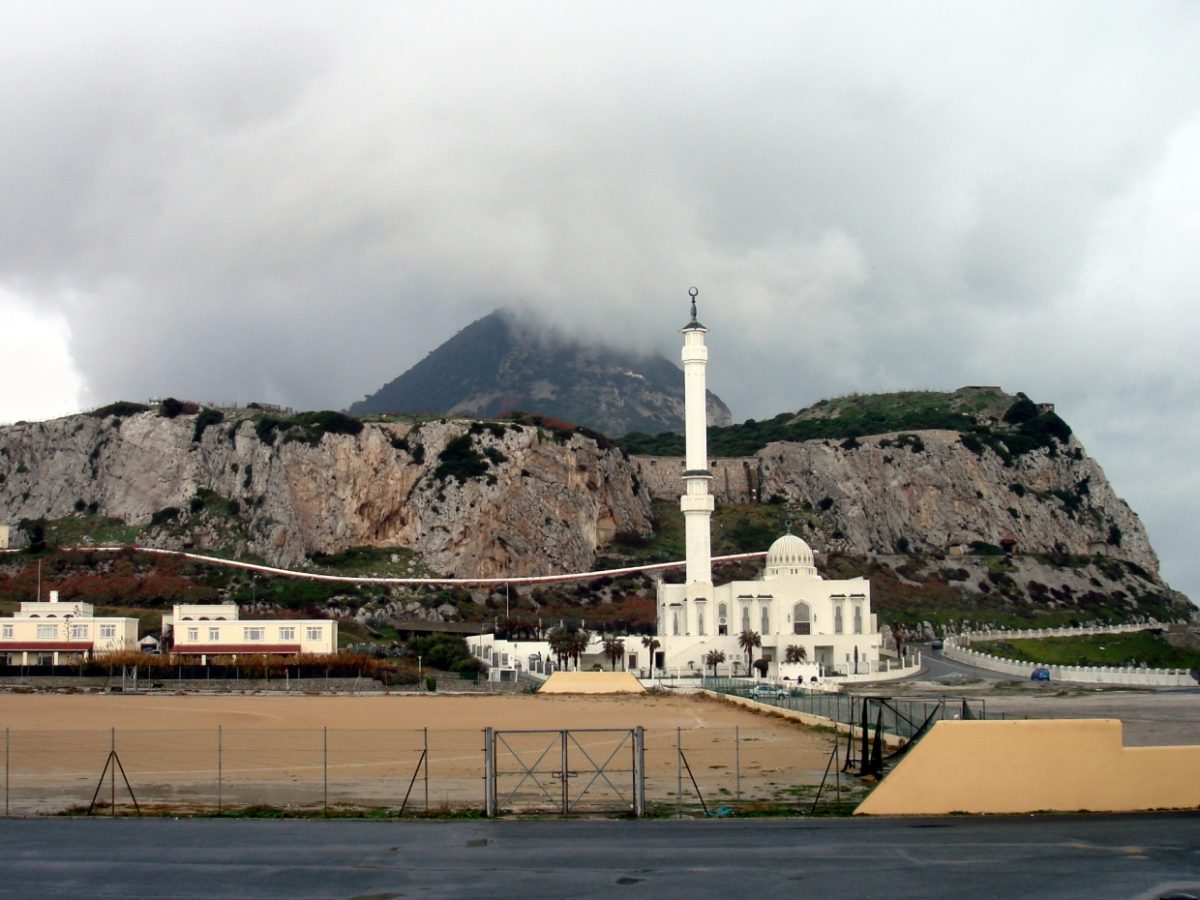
113	769
6	752
220	764
489	773
639	772
737	762
679	772
566	775
325	763
426	758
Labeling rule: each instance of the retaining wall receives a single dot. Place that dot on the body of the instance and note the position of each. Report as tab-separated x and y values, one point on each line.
958	648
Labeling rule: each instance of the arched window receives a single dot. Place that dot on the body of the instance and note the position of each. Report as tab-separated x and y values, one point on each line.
858	619
837	618
766	621
745	617
674	621
801	619
700	620
722	619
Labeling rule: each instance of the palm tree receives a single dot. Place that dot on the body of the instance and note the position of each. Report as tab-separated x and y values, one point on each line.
714	658
578	644
748	640
651	644
795	654
614	649
559	639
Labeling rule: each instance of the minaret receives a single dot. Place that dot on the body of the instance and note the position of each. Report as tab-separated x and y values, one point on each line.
696	502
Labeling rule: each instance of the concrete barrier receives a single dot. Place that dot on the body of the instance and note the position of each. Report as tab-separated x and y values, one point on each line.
1022	766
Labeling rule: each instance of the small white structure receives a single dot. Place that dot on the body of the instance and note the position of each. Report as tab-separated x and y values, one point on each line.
215	629
51	632
3	537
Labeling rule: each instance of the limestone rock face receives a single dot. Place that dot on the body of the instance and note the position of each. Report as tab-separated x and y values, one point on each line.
883	494
533	504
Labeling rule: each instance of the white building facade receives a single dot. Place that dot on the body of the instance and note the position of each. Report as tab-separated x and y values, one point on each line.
51	632
206	630
828	623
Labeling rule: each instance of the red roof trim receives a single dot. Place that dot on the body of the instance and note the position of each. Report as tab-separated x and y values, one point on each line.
228	649
11	646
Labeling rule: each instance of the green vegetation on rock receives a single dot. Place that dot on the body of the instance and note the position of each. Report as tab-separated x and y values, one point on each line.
979	414
1133	649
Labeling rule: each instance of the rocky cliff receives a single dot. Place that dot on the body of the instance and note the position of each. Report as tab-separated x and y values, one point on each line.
929	491
470	499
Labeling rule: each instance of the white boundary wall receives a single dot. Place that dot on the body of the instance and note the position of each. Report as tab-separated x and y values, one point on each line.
958	648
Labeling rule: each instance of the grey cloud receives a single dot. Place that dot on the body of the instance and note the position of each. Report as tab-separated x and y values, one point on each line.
294	203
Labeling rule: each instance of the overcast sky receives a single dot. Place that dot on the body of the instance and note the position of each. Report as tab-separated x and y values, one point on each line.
295	202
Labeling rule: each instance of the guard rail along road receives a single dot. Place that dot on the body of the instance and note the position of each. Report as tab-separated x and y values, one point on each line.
958	648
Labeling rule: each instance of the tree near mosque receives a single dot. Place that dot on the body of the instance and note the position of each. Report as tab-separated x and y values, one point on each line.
651	644
714	658
748	641
795	654
614	649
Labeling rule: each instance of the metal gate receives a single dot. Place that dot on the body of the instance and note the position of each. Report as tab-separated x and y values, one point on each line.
569	771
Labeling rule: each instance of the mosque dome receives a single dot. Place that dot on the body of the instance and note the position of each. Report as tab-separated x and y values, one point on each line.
790	555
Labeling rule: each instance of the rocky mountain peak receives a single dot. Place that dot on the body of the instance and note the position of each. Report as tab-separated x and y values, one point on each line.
506	362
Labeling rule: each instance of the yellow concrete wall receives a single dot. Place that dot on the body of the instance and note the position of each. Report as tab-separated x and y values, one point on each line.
1032	765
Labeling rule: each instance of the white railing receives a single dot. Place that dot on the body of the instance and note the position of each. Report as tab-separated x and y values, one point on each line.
958	648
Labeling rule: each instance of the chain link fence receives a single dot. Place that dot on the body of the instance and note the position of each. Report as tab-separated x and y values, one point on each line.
417	771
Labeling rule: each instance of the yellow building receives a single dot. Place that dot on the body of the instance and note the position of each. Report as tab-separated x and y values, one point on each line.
52	633
215	629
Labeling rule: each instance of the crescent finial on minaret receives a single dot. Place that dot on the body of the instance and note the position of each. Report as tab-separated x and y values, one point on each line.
692	292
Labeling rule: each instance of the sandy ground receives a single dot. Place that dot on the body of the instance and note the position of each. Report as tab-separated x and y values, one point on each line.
205	751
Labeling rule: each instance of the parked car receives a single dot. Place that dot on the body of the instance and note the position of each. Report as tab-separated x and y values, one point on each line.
1041	673
936	645
766	692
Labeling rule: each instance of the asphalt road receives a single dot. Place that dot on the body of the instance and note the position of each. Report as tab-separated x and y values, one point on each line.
1029	857
934	666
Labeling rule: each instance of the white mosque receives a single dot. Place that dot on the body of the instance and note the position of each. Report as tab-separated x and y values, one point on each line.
794	623
789	624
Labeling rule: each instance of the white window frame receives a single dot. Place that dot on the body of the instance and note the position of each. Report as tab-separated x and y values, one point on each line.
254	633
47	632
315	632
79	631
108	631
8	631
287	632
193	635
214	633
